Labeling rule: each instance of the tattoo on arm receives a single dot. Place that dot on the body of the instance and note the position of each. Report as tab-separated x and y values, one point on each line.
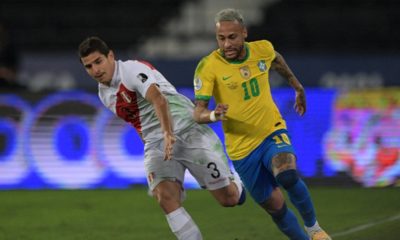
279	64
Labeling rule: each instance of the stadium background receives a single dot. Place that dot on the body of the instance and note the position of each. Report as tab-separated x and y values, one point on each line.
54	133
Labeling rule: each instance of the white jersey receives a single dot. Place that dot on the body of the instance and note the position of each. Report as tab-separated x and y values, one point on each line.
126	98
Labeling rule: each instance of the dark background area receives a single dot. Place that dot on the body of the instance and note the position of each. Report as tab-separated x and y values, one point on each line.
294	25
328	43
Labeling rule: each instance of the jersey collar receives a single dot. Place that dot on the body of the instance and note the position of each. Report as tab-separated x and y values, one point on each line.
246	47
114	80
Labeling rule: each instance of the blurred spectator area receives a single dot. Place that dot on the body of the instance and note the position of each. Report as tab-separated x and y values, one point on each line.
328	43
368	26
298	25
61	24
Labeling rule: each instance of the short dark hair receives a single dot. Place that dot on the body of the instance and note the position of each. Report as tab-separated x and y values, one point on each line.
91	45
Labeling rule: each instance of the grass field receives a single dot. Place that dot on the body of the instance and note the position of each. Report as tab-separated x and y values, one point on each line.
346	213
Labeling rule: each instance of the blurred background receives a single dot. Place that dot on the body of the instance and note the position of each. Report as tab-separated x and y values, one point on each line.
54	132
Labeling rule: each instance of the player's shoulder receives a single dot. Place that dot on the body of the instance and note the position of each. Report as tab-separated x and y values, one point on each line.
204	63
262	48
260	43
133	65
132	69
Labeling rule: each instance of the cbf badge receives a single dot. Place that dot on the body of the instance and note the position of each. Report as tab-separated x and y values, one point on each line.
197	84
262	66
245	72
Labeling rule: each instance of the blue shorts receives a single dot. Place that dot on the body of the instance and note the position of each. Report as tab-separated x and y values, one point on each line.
255	170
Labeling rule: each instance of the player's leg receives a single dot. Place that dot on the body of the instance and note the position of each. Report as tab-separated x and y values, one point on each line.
230	195
262	186
215	176
168	194
283	217
202	154
164	180
284	168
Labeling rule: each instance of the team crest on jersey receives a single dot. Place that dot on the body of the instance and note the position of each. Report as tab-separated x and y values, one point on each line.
197	84
245	72
262	66
142	77
125	96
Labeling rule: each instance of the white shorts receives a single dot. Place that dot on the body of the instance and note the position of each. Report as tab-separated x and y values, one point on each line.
197	149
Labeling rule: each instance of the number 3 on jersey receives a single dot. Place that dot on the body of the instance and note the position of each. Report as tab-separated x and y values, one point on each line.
215	170
254	89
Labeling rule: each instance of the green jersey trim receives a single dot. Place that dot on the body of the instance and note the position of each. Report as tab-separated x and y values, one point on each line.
239	61
202	97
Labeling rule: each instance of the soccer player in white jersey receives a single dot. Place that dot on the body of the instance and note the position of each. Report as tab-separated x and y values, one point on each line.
136	92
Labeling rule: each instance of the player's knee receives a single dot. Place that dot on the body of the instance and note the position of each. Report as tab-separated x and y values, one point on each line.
287	178
228	201
167	196
168	199
280	213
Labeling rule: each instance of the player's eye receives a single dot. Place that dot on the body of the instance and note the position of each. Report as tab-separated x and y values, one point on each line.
233	36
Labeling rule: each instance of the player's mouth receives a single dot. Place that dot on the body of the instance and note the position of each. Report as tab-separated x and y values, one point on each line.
99	76
230	53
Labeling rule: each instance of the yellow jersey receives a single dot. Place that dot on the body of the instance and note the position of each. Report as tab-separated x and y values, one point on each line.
243	85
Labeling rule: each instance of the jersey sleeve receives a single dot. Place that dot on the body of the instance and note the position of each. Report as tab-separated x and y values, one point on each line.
138	77
268	49
203	80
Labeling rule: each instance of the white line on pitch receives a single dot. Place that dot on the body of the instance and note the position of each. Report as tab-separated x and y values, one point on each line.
365	226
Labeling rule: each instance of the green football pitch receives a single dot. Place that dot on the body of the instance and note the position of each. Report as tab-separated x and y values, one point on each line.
346	213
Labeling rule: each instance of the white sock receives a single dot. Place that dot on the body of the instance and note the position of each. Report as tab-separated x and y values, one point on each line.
182	225
314	228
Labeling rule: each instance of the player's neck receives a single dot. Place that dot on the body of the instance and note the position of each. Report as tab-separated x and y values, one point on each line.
242	55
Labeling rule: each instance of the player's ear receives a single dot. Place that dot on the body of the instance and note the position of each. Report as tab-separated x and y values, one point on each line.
244	32
111	55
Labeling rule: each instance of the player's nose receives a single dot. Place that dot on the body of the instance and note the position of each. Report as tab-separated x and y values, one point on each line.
96	70
227	44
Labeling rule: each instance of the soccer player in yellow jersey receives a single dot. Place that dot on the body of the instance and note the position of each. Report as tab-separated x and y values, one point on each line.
257	141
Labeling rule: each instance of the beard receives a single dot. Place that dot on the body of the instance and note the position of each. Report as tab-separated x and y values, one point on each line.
233	53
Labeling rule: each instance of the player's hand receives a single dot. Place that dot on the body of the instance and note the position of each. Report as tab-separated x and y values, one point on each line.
169	140
300	104
221	110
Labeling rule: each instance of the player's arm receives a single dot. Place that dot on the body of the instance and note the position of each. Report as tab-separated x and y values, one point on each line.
160	104
279	64
202	114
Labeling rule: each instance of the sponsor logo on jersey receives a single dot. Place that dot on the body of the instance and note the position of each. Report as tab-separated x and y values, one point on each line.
226	77
126	97
262	66
245	72
232	85
142	77
197	84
